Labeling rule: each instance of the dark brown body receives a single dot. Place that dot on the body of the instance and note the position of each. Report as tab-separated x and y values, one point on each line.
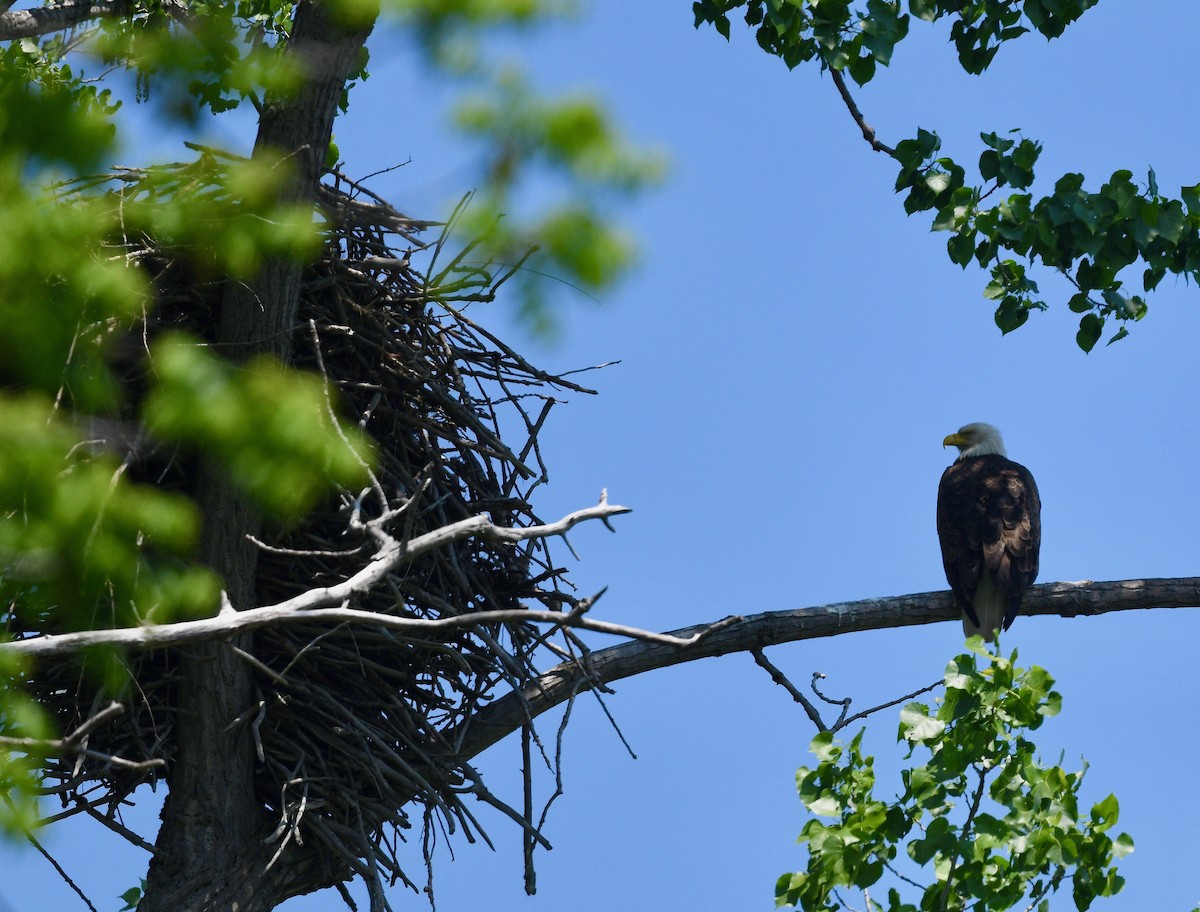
989	523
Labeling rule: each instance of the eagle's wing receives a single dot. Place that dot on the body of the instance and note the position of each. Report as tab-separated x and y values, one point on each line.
1012	533
989	520
959	536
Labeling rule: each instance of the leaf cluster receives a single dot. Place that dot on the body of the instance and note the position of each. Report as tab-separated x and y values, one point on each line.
983	821
856	38
1092	238
81	545
569	137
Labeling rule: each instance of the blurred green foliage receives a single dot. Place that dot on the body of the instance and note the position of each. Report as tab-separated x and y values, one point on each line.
269	426
1097	239
560	229
81	545
983	821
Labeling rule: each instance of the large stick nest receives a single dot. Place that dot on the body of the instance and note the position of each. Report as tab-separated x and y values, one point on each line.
351	722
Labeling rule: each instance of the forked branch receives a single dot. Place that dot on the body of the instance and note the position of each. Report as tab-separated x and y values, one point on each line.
315	604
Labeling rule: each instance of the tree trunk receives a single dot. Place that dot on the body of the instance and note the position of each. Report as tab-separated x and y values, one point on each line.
210	853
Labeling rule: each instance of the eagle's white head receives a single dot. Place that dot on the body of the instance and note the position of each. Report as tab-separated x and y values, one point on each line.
976	439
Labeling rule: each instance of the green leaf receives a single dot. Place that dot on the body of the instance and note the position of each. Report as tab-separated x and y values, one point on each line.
1080	302
1105	813
1011	314
789	888
1122	846
1090	328
994	141
1191	198
132	897
917	725
862	69
822	746
928	10
826	806
962	249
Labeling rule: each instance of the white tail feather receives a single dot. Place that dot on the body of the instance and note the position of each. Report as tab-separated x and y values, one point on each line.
990	605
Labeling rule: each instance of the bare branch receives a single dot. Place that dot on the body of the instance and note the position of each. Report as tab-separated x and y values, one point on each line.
310	606
31	23
120	829
844	703
890	703
76	743
61	873
868	131
781	679
761	630
221	626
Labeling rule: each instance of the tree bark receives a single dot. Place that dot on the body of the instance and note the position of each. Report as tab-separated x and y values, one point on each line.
744	633
210	853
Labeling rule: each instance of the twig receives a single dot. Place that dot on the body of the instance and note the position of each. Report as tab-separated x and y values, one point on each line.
74	744
868	131
120	829
890	703
61	873
527	841
966	832
903	877
480	791
781	679
843	703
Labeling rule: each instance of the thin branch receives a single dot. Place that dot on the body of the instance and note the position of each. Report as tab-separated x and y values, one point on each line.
76	743
781	679
904	877
61	873
120	829
890	703
308	606
844	703
1051	887
480	791
868	131
966	834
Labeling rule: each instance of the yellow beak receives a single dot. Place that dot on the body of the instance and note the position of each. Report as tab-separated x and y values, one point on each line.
957	440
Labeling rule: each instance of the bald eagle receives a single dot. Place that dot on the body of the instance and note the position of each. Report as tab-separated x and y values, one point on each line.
989	525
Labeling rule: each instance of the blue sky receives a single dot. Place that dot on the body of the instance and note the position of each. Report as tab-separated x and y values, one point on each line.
793	350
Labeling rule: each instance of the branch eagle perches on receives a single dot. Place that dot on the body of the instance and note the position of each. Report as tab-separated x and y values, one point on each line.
750	633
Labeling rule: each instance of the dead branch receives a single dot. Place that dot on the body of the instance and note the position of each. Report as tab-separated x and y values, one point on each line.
31	23
307	607
76	743
742	634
